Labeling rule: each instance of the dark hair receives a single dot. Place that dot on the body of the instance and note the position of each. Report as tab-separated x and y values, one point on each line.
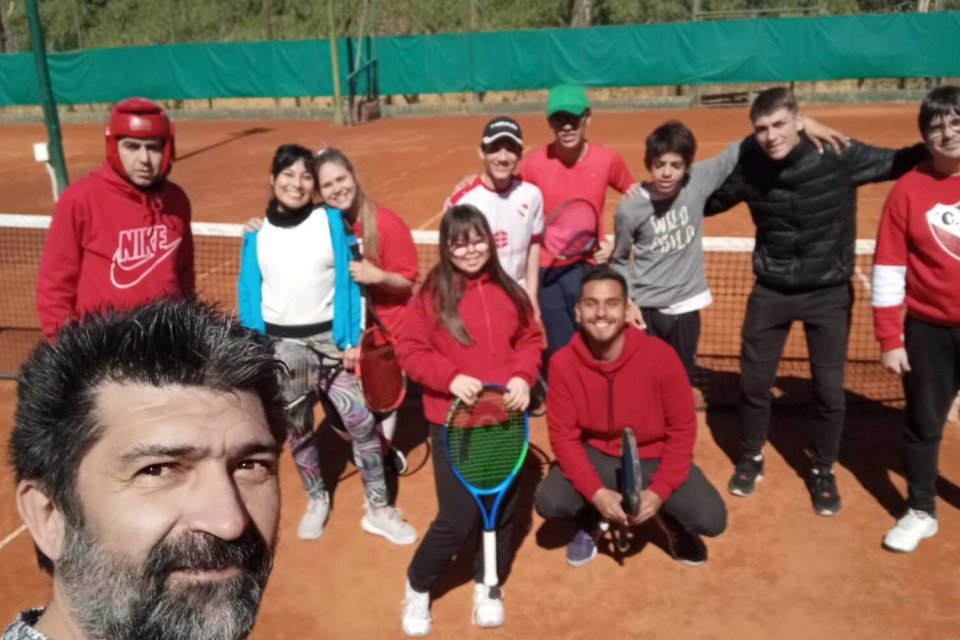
287	155
447	285
165	342
605	272
940	102
366	209
772	100
671	137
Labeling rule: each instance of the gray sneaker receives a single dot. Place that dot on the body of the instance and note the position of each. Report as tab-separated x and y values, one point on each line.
313	521
582	548
389	523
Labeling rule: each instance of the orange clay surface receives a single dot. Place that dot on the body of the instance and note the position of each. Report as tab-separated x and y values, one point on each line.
779	571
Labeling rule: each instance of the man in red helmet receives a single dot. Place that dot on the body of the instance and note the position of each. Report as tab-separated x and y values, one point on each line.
120	236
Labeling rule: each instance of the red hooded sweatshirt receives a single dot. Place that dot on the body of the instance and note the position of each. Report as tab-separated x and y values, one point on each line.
591	402
502	347
111	243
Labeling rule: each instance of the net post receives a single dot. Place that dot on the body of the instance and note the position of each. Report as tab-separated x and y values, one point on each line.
50	115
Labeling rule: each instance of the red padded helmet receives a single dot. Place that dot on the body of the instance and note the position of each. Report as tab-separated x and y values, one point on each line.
140	118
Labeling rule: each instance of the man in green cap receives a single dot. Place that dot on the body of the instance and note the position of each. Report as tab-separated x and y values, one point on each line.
570	167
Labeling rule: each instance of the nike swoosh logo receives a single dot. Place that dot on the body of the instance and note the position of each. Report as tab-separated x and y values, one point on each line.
117	269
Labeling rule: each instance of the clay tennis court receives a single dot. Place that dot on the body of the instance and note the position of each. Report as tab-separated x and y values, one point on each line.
779	571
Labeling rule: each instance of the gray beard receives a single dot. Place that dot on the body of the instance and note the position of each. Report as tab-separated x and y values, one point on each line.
113	600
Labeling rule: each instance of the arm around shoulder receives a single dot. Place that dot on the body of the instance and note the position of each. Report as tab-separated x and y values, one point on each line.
879	164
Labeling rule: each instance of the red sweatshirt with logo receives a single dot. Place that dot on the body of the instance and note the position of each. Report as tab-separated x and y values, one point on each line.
592	402
502	348
112	244
917	260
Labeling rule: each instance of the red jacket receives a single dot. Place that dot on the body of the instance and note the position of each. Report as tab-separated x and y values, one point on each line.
502	347
111	243
591	402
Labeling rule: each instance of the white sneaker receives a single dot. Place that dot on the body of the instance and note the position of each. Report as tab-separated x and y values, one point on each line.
416	613
389	523
487	606
311	524
910	530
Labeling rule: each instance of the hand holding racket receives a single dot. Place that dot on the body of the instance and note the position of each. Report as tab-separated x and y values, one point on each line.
571	230
486	445
466	389
518	395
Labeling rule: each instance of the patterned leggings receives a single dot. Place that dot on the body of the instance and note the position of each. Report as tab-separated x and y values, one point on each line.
343	395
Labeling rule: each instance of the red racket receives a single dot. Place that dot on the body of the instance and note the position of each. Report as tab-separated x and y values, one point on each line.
378	368
571	230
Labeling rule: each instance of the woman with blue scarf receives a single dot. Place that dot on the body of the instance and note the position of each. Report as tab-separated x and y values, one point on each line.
295	283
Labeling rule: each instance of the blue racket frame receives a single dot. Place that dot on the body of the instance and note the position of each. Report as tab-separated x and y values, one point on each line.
489	518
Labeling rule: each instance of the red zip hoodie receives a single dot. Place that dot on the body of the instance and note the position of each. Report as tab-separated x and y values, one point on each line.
591	402
111	243
502	347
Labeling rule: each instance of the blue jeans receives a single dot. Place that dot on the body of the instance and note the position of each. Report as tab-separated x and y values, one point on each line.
559	292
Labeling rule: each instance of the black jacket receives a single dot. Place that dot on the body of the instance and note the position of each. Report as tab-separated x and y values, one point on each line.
805	208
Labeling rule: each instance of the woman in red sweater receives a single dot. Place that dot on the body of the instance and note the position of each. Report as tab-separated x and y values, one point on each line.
471	324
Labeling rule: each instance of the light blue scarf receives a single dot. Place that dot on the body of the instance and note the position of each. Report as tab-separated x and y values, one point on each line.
347	305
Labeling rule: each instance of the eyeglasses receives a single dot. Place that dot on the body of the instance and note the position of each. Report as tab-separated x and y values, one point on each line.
461	249
940	130
562	119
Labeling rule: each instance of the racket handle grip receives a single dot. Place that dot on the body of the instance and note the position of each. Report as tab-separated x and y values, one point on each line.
490	559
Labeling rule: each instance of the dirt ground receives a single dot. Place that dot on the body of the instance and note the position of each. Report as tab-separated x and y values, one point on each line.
779	571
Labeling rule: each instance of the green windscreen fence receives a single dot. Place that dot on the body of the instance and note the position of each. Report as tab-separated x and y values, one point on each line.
780	49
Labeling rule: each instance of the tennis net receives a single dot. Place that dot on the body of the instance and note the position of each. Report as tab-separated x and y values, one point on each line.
729	271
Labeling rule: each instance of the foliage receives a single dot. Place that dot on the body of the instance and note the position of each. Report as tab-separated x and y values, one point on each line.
74	24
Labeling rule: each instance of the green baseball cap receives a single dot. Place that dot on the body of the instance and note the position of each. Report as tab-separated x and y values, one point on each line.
571	98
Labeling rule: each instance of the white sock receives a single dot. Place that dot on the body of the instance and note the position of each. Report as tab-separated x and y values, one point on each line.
388	426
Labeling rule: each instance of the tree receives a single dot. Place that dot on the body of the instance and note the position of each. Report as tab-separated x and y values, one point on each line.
7	43
581	13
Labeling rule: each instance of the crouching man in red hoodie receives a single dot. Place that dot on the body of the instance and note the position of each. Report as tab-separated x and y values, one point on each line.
120	236
609	377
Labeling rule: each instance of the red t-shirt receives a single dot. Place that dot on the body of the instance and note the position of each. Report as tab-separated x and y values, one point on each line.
588	178
918	254
398	254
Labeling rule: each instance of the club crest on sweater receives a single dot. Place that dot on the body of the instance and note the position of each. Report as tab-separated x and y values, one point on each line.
944	221
139	252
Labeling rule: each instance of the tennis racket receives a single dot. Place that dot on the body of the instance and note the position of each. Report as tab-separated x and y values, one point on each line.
630	486
378	368
310	374
630	468
571	230
486	446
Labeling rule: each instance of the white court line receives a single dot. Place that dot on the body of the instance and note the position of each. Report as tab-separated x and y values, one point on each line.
431	220
404	174
10	538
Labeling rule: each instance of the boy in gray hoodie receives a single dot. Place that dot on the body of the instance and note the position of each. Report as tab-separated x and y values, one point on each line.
658	246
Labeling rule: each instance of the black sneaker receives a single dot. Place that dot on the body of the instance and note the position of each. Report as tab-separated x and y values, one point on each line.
823	489
746	476
685	546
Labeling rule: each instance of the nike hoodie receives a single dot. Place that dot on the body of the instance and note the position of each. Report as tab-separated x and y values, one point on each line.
113	244
592	402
